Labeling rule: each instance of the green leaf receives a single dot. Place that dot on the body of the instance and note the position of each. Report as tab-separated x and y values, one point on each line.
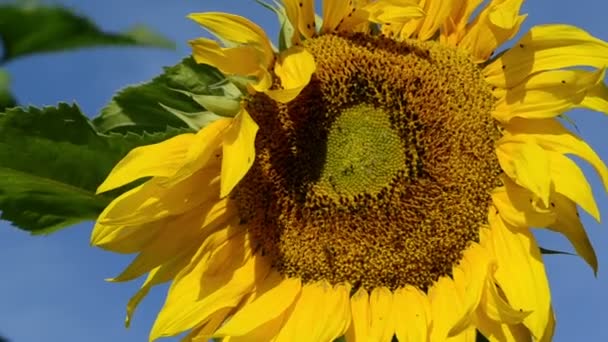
6	98
152	106
194	120
287	29
26	30
142	35
51	162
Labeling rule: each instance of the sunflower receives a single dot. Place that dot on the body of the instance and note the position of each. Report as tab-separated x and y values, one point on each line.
379	180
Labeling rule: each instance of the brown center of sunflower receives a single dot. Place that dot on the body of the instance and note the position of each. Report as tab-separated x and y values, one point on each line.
379	173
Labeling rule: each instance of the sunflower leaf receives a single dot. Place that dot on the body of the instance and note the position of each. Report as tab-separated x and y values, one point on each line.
287	28
146	107
194	120
6	98
21	33
51	162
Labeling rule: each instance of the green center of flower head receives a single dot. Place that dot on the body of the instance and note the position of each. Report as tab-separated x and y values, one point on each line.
363	153
379	173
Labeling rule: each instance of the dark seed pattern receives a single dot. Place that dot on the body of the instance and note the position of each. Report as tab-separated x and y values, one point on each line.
413	225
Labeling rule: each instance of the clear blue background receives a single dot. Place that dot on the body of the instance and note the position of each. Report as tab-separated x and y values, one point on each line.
53	289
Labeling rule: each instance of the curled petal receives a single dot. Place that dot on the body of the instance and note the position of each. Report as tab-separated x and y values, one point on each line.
238	151
521	274
547	94
236	29
569	224
553	136
294	68
527	164
496	24
333	13
240	60
546	47
275	298
519	207
156	160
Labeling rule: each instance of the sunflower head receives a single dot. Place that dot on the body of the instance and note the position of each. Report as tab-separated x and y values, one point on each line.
378	179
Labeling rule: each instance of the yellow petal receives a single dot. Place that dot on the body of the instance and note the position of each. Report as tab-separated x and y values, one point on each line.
265	332
132	239
518	207
333	13
270	329
389	11
496	24
454	26
152	201
404	31
292	10
238	151
277	295
284	95
546	47
521	274
336	310
204	332
204	152
527	164
158	275
446	308
147	260
505	13
357	21
494	331
295	67
436	14
495	307
569	180
469	335
494	310
569	224
263	82
320	314
547	94
412	312
187	289
240	60
306	17
551	135
236	29
360	313
382	325
596	98
157	160
470	277
550	330
198	292
181	235
397	30
125	239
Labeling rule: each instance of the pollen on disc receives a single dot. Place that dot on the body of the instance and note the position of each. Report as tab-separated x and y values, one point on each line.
379	173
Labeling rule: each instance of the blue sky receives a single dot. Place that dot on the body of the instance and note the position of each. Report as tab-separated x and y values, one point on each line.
52	288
